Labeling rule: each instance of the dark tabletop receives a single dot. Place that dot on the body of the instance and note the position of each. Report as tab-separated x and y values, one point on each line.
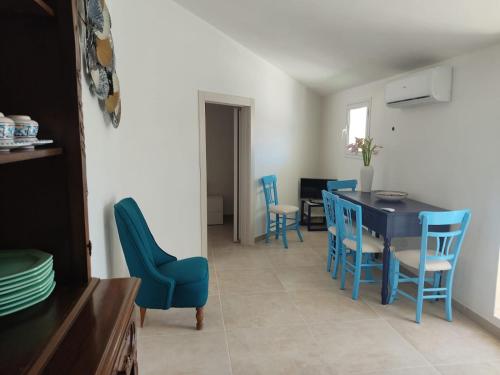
406	206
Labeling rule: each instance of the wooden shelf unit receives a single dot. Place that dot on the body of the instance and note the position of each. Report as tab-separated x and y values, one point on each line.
43	196
27	7
16	156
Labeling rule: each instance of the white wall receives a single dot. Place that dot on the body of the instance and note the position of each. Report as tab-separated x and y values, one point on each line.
220	153
164	56
443	154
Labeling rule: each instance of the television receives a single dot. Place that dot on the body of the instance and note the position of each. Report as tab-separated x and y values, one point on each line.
310	188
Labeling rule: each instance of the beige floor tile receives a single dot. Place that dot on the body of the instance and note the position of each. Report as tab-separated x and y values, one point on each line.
196	353
305	278
444	342
328	305
173	321
252	280
407	371
365	345
276	351
233	258
259	310
303	258
322	252
471	369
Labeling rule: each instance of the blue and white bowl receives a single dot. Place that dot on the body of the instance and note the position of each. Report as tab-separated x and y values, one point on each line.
7	129
26	128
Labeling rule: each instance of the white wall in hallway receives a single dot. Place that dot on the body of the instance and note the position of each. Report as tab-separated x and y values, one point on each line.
443	154
220	157
164	56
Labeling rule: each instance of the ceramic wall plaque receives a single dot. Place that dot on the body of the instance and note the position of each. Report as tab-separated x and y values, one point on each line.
100	57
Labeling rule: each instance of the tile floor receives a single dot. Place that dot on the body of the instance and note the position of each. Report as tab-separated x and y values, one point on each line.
274	311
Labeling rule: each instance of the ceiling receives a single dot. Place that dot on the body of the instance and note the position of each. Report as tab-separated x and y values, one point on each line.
330	45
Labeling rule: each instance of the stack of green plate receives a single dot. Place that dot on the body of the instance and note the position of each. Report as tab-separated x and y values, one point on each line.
26	278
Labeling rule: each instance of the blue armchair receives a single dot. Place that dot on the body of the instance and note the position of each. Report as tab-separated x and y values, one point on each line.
166	281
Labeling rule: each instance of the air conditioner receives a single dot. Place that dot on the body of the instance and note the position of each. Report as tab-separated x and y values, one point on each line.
427	86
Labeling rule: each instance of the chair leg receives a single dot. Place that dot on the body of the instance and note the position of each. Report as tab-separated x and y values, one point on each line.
277	230
283	234
268	227
394	277
142	310
297	226
368	271
447	302
357	276
420	299
436	283
343	272
199	318
329	253
336	263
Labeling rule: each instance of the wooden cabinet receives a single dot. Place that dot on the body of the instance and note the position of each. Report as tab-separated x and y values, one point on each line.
86	326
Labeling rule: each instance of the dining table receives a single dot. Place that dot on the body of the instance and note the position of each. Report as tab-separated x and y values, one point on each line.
401	220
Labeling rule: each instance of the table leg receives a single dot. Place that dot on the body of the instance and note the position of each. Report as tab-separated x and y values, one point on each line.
385	272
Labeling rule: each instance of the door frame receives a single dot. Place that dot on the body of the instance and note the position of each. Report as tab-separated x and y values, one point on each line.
246	167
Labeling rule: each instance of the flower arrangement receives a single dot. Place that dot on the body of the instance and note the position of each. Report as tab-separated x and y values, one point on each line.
367	147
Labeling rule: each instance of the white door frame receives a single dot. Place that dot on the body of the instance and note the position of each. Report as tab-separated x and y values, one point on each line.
246	168
236	169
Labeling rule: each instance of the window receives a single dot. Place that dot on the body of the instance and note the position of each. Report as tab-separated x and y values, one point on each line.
358	122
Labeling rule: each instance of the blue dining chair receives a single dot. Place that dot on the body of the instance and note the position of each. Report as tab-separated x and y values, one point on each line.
438	254
329	204
165	281
279	211
357	243
341	185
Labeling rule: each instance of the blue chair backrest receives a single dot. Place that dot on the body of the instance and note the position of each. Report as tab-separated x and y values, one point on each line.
341	185
445	245
349	221
270	190
136	238
329	204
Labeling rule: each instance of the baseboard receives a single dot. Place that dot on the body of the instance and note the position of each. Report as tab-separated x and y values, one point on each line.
472	315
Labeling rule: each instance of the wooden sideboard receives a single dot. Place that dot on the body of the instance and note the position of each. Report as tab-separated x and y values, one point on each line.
93	335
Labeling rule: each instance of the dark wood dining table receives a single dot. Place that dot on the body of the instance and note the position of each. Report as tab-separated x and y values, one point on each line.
403	222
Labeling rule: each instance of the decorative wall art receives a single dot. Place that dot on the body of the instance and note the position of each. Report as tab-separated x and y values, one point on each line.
100	57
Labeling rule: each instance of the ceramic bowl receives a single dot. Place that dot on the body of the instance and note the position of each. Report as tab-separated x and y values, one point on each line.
390	196
26	128
7	127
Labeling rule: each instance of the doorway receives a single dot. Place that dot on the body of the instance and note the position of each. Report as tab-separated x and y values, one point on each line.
226	166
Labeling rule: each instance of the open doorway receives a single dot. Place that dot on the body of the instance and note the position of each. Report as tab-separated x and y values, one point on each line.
226	153
221	129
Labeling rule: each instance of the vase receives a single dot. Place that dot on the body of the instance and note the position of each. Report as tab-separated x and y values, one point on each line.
366	178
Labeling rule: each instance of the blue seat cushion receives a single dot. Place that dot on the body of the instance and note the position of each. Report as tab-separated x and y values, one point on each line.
186	271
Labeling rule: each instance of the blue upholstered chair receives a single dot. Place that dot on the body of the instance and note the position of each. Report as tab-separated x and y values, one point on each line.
357	243
281	212
166	281
438	254
341	185
329	204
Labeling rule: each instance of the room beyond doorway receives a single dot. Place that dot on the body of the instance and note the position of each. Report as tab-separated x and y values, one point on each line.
217	146
222	122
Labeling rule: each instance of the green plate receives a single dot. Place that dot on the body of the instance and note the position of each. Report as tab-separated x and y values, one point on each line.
26	281
16	263
21	305
26	292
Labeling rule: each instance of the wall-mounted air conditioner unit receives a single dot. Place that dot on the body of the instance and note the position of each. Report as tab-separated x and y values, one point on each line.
427	86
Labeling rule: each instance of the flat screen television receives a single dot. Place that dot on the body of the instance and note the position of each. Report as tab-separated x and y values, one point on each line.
310	188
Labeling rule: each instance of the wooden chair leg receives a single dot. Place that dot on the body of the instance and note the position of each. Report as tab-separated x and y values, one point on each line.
143	315
199	318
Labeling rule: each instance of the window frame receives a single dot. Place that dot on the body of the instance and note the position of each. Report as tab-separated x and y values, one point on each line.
360	104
